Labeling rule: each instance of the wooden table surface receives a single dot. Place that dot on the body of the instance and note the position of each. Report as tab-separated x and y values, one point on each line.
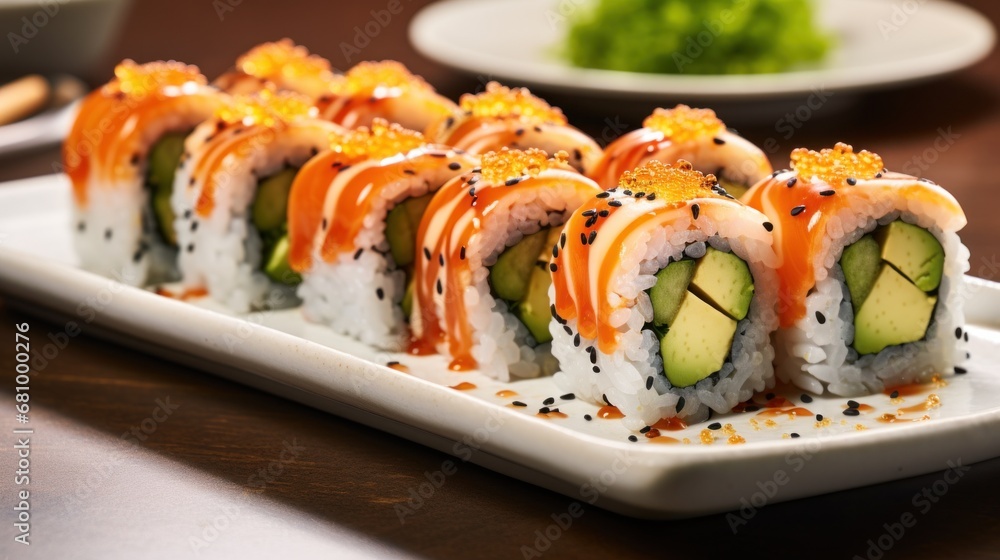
343	481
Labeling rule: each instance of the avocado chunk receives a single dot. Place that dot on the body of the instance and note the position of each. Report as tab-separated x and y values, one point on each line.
668	292
724	280
510	276
407	302
276	265
270	208
737	190
401	225
164	157
914	252
895	312
697	343
534	310
861	263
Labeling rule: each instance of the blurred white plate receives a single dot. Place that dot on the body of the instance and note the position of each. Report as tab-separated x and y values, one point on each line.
880	43
591	461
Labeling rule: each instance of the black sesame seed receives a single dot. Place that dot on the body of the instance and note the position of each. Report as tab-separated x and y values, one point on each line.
768	226
108	233
718	141
187	214
194	225
461	253
590	221
593	236
544	410
798	210
791	182
519	131
615	203
829	192
960	370
645	429
627	192
604	213
695	210
965	336
549	401
325	224
819	417
440	287
409	172
568	330
604	194
894	395
577	153
380	293
852	181
633	439
604	397
680	404
454	166
441	259
820	318
82	226
958	332
562	241
651	196
567	397
794	435
715	426
137	256
439	154
640	195
555	251
512	182
357	254
427	253
649	382
583	238
576	340
588	417
553	267
853	404
851	412
190	248
806	398
596	369
589	213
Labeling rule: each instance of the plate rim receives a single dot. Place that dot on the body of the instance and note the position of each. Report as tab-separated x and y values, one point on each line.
596	82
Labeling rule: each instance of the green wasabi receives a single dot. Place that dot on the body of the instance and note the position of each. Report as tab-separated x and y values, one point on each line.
695	36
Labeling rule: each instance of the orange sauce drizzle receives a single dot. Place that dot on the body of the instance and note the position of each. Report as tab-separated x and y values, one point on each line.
447	243
184	295
108	131
672	424
463	386
800	237
791	412
552	414
609	412
506	393
398	367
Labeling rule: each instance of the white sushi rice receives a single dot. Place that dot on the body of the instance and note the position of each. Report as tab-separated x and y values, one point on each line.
223	251
115	232
817	356
365	284
622	376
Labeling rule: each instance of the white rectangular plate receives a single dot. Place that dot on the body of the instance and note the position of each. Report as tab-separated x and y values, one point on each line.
592	461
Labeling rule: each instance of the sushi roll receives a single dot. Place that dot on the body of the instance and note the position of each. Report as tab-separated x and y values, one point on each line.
353	216
121	155
280	65
482	269
694	135
665	295
231	194
514	118
871	272
384	90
